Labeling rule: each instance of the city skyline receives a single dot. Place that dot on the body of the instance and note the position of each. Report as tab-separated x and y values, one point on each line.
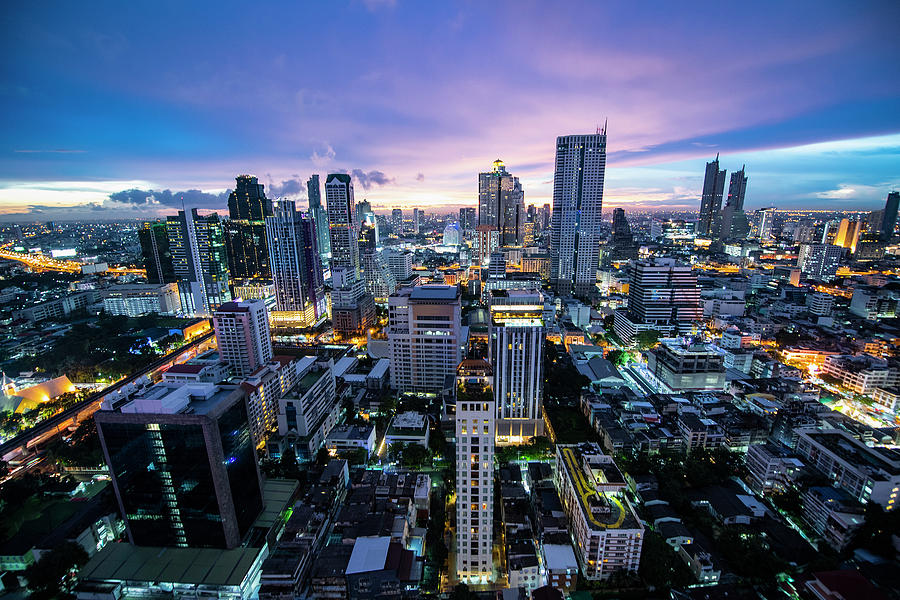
176	126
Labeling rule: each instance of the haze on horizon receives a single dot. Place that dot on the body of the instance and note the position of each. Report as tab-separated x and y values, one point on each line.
107	101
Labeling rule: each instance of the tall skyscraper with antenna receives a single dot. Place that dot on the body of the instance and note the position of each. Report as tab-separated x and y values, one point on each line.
577	205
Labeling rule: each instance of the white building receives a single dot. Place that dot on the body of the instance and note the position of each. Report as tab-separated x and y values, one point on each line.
577	205
425	337
864	473
607	533
861	374
474	484
136	299
400	263
516	347
344	438
819	261
264	388
242	335
310	409
407	428
452	235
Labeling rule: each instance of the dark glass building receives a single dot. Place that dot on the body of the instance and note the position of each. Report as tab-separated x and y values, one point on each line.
156	254
889	219
245	231
183	465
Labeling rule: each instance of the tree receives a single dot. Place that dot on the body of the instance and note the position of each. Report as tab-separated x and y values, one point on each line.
647	339
288	466
322	456
616	357
437	443
414	456
46	578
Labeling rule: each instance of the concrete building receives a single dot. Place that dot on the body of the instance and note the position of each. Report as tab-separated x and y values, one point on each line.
663	295
685	366
136	299
577	204
772	468
407	428
863	373
863	472
344	438
711	200
58	308
242	335
425	337
516	350
475	418
309	410
607	533
264	387
819	261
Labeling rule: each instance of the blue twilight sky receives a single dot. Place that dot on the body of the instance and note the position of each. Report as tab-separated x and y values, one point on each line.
104	101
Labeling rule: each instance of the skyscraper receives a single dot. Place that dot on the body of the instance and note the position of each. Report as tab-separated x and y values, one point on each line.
344	227
621	245
242	335
765	224
199	260
363	211
183	465
848	234
320	217
155	252
397	221
577	205
296	263
735	224
352	310
711	199
501	204
516	349
417	221
424	337
889	220
468	219
475	414
245	230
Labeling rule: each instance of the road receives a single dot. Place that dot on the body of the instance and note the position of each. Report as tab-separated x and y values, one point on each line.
25	446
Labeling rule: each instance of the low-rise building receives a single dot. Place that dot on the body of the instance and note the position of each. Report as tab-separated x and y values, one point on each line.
771	467
136	299
862	373
344	438
407	428
833	514
683	366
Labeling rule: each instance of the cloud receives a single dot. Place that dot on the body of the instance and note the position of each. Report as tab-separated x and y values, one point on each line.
367	180
847	191
420	177
289	188
323	159
187	198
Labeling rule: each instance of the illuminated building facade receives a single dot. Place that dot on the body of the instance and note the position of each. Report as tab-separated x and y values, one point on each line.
577	205
711	199
501	204
516	350
242	335
199	261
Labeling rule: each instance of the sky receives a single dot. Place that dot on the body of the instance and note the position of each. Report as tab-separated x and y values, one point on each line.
118	110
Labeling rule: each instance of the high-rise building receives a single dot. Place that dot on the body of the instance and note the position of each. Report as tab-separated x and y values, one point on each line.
417	221
468	219
848	234
320	217
156	254
397	221
711	199
501	204
425	337
765	224
183	464
621	245
364	211
487	240
296	264
889	220
380	281
242	335
245	230
577	205
199	260
819	261
607	532
475	414
352	309
735	225
344	227
663	295
452	235
516	349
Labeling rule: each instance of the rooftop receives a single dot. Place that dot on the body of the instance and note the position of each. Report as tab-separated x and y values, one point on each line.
198	566
445	293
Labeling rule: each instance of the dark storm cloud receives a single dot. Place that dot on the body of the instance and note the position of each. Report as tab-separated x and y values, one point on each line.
187	198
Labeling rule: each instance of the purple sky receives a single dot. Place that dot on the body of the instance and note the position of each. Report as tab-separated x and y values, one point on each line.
416	98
